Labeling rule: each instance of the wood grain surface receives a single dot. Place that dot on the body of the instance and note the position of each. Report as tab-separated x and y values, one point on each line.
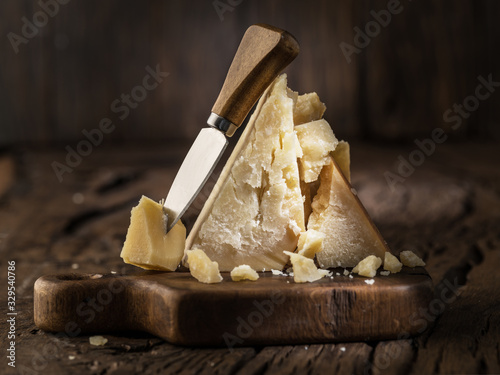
272	310
65	78
448	211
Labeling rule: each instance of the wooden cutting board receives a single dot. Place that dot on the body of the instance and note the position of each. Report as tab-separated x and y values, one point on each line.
271	310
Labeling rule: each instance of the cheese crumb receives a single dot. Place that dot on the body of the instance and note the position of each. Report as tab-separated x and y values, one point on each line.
310	243
202	268
342	349
278	273
385	273
346	272
410	259
368	267
391	263
97	340
370	281
304	269
244	272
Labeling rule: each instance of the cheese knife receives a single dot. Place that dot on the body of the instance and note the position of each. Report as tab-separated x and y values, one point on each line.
263	53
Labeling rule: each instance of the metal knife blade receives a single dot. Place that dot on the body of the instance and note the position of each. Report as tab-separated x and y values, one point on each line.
262	54
194	172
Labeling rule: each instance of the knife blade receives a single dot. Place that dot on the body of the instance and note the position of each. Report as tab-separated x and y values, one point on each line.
263	53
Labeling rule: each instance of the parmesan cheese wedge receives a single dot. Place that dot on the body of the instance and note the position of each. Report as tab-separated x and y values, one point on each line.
350	234
256	209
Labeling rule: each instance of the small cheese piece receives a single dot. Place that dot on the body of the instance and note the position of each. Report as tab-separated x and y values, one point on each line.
256	209
244	272
307	108
304	269
148	245
202	268
342	156
310	243
368	267
350	234
316	141
410	259
391	263
385	273
97	340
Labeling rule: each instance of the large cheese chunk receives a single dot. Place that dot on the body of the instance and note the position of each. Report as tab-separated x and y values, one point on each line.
148	245
202	268
317	141
304	269
256	210
350	235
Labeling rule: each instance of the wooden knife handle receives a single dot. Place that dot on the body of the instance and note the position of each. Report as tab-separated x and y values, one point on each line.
263	53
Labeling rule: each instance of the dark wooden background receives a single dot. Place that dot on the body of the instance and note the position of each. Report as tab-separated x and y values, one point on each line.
65	78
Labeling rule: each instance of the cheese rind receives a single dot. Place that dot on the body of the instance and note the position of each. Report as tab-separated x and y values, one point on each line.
368	267
258	210
350	234
202	268
244	272
310	243
147	244
410	259
391	263
341	155
316	141
304	269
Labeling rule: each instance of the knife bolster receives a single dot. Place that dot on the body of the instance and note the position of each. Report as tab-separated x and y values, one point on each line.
220	123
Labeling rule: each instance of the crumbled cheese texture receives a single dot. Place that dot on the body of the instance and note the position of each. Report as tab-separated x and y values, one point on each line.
202	268
385	273
317	141
368	267
97	340
410	259
307	107
259	211
304	269
244	272
391	263
148	245
310	243
370	281
346	272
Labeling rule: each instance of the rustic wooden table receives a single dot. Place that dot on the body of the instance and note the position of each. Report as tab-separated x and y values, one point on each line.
447	210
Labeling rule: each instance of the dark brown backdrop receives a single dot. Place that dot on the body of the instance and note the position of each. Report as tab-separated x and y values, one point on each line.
88	53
